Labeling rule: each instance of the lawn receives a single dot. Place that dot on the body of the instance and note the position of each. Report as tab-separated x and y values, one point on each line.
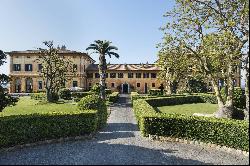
26	106
189	109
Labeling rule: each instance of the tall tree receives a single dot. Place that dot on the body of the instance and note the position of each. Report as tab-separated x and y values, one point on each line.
173	63
233	16
103	48
193	29
5	98
55	70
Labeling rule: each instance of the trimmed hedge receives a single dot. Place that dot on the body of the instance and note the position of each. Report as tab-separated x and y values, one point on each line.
79	95
38	96
96	103
108	91
227	132
21	129
174	100
113	97
155	92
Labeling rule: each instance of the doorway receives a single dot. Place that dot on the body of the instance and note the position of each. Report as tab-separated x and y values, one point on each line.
125	88
146	88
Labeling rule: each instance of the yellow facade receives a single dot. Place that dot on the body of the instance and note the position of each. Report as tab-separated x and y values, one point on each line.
23	81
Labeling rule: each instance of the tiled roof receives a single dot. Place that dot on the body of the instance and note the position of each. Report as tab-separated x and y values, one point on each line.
124	67
60	52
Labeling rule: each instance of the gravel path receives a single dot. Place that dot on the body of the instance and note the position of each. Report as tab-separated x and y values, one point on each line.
120	143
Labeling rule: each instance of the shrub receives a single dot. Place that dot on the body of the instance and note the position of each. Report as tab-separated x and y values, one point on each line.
79	95
227	132
113	97
65	94
23	129
239	98
38	96
155	92
96	89
96	103
108	91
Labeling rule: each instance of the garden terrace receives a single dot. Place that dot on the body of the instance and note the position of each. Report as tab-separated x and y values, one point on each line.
227	132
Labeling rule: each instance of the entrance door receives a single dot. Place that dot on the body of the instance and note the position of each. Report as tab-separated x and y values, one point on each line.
146	88
125	88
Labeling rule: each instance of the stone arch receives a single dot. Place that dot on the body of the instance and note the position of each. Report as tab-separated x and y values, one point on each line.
29	85
18	84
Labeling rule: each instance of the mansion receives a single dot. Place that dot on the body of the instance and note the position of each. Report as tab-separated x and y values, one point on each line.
26	77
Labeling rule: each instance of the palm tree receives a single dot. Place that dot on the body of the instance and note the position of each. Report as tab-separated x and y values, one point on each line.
103	48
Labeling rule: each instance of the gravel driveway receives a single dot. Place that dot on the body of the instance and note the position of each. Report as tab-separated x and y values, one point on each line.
120	143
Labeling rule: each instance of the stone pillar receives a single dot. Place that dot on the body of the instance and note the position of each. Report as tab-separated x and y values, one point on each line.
23	85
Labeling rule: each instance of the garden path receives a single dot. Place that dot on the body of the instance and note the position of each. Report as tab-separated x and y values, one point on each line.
120	143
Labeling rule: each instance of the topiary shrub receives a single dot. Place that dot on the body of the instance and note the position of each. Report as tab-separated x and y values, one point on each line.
113	97
65	94
239	98
96	103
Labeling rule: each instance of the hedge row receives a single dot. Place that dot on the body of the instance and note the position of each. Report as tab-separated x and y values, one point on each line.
96	103
113	97
174	100
38	96
23	129
155	92
227	132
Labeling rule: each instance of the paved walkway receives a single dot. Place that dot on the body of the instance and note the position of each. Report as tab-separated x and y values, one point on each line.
120	143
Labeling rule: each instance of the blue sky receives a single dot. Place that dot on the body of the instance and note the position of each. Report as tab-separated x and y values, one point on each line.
132	25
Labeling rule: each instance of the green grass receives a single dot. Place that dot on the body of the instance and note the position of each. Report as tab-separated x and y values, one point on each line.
26	106
189	109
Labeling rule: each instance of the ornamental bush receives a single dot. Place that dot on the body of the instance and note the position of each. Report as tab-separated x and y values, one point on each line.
79	95
227	132
65	94
21	129
108	91
96	103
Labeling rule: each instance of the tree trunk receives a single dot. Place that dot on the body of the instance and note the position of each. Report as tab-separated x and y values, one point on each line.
246	111
168	87
102	72
223	111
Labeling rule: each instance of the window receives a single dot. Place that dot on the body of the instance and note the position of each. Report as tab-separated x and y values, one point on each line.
28	67
17	67
74	83
112	75
106	75
138	85
130	75
40	67
138	75
120	75
112	85
84	68
40	85
90	75
153	75
145	75
97	75
74	67
153	84
28	56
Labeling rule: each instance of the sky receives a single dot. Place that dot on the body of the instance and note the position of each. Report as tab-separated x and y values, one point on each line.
131	25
